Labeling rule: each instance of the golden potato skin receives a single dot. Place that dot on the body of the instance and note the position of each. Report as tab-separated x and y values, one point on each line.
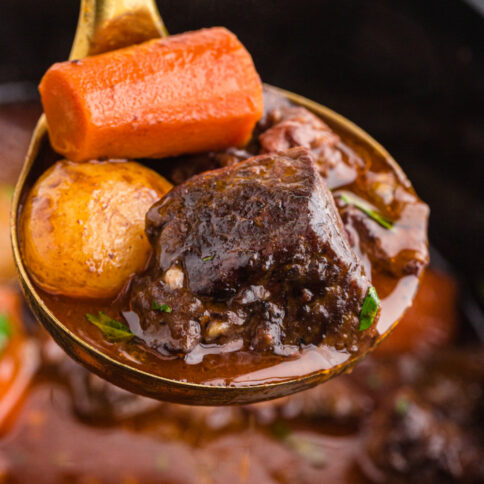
82	226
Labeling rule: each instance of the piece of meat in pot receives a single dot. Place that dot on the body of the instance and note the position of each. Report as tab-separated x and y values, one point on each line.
95	400
254	255
426	426
410	439
400	250
290	126
340	400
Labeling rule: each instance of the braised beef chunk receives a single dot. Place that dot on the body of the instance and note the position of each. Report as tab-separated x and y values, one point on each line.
398	252
427	426
400	248
415	440
402	251
253	255
95	400
296	126
290	126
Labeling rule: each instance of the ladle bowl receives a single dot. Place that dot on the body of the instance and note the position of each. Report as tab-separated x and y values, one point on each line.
109	24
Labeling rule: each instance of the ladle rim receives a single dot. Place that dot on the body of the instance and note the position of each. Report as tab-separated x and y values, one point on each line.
150	384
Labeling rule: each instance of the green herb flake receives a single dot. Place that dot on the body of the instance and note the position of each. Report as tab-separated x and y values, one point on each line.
402	406
164	308
209	257
300	444
5	331
365	208
113	330
307	449
280	430
369	310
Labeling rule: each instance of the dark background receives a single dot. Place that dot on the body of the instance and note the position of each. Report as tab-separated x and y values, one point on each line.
410	72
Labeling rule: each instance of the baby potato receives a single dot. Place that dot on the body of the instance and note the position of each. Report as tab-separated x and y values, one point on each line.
82	226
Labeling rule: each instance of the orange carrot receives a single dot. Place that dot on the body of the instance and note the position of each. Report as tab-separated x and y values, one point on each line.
188	93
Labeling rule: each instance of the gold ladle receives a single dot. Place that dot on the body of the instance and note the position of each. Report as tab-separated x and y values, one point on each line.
109	24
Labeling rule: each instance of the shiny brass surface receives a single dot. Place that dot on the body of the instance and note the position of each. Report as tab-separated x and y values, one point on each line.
105	25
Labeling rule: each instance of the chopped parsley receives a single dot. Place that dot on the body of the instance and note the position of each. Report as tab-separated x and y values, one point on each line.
300	444
308	449
209	257
367	209
5	331
113	330
369	310
164	308
401	406
280	430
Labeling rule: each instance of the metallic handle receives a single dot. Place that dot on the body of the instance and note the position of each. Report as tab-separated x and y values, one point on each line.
111	24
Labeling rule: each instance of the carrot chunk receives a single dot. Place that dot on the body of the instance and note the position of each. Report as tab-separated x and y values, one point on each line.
193	92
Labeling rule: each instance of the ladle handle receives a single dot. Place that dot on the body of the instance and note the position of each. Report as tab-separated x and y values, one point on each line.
111	24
